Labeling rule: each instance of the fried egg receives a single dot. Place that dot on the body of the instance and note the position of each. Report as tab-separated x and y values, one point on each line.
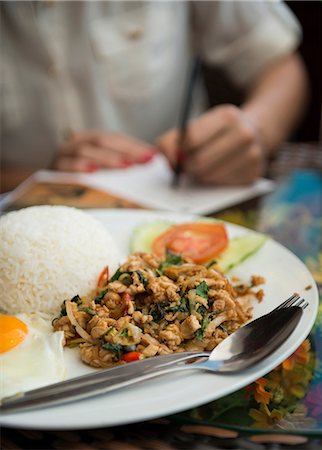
31	355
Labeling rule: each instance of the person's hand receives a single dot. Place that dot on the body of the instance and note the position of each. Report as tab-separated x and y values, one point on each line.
222	147
93	150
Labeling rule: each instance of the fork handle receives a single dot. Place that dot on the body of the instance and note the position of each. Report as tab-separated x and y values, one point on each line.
102	382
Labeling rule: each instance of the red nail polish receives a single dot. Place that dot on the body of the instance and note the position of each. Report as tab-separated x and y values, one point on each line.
126	163
146	157
91	167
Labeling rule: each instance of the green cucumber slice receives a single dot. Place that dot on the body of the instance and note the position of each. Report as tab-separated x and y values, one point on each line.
144	235
239	249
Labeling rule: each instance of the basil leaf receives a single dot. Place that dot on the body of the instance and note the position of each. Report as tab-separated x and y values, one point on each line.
183	307
205	322
117	349
171	260
63	311
76	299
211	263
202	290
202	310
157	312
142	278
116	276
100	296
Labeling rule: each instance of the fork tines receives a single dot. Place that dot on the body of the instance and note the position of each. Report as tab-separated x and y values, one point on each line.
294	300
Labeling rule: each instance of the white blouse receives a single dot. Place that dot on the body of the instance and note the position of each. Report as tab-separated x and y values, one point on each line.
121	66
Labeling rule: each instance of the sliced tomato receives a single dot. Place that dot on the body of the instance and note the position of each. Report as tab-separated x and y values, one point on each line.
199	241
132	356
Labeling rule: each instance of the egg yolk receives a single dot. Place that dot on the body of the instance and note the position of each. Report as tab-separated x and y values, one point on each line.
12	332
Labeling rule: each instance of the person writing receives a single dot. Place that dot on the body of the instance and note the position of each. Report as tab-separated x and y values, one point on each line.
98	85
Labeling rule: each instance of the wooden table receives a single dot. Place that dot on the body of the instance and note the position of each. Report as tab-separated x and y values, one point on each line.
292	216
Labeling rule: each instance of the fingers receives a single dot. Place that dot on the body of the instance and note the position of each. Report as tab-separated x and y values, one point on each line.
103	157
244	169
222	150
129	147
86	153
71	146
205	130
105	150
71	164
210	126
221	147
168	145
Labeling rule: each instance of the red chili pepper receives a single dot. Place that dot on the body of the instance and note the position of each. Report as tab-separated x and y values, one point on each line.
132	356
103	279
127	299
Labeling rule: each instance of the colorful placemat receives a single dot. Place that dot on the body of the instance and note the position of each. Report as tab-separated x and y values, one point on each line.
288	399
69	194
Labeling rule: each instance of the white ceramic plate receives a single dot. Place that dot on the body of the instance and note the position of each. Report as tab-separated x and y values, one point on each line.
284	273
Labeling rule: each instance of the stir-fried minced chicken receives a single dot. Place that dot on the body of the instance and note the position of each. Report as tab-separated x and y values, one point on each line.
153	307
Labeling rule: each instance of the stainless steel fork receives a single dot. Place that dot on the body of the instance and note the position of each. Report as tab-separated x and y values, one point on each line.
293	300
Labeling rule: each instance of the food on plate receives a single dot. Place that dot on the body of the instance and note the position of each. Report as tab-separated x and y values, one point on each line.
31	355
154	306
200	240
48	253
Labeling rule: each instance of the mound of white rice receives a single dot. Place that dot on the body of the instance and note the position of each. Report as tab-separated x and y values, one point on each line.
49	254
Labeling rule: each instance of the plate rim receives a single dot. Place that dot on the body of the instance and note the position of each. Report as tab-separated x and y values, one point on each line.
20	423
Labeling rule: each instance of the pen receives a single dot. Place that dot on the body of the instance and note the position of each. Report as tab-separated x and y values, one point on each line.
184	115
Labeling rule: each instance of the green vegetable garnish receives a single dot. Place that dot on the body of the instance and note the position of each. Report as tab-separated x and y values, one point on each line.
183	307
116	276
211	263
142	278
100	296
202	290
76	299
158	311
124	333
171	260
205	322
117	349
88	311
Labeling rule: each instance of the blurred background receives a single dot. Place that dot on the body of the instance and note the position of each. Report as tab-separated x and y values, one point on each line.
309	14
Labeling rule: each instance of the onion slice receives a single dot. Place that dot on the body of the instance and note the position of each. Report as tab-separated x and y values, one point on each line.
70	314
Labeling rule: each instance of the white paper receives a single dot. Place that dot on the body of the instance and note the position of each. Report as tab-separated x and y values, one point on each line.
150	185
